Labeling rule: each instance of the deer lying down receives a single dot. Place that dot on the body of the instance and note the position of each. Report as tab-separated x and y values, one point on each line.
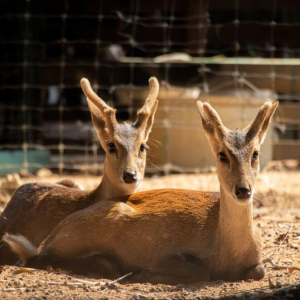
170	236
36	208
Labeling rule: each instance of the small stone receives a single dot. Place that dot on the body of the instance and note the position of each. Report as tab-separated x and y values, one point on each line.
111	285
72	287
143	297
138	296
294	246
19	283
60	291
43	172
25	173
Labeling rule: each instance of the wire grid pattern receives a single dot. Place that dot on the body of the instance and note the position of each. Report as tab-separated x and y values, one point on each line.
130	22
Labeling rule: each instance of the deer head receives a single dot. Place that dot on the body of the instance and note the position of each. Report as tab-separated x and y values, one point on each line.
236	151
124	143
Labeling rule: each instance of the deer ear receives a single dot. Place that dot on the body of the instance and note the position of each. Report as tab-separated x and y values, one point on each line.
145	116
107	113
98	122
266	123
207	126
150	120
211	121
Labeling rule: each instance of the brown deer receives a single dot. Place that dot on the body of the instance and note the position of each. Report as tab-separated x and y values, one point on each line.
36	208
170	236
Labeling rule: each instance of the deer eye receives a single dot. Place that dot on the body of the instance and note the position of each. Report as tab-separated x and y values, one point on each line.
143	148
223	157
255	156
111	148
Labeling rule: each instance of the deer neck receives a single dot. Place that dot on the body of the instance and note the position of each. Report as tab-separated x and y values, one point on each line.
235	222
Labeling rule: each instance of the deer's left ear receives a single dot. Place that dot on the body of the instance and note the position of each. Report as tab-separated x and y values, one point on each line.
145	116
266	123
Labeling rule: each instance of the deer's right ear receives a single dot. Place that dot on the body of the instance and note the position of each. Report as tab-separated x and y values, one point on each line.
103	116
207	125
98	121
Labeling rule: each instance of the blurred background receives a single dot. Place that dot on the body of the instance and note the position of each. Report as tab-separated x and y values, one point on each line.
233	54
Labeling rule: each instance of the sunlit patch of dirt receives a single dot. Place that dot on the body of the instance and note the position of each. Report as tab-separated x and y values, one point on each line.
276	213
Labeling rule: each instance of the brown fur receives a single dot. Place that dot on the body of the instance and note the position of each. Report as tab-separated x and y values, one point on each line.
173	236
71	183
36	208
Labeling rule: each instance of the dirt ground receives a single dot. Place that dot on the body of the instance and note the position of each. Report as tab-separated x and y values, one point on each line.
276	213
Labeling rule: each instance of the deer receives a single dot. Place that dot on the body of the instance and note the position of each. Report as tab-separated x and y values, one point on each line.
170	236
36	208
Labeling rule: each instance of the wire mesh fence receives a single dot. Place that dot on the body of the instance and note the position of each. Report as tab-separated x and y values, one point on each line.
234	54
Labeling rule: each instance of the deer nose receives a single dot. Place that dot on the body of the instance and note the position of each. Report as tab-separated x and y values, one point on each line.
129	177
243	192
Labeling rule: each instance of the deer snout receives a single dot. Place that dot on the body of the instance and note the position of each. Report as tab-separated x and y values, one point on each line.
243	193
129	177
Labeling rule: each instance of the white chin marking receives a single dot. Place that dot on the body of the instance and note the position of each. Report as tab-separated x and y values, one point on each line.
244	202
132	187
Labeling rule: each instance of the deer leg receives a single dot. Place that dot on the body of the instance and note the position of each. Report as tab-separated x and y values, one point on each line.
256	273
95	266
175	269
7	256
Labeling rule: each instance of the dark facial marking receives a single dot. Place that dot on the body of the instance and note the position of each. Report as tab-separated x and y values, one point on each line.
237	138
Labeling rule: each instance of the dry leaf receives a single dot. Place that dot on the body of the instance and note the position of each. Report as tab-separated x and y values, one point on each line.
291	270
228	292
282	226
282	237
24	270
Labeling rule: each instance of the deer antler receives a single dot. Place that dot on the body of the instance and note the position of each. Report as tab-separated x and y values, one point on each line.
108	112
150	105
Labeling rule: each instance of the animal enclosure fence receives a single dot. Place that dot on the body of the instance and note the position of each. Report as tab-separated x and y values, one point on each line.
235	54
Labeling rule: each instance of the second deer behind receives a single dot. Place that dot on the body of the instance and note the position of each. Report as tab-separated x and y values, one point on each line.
36	208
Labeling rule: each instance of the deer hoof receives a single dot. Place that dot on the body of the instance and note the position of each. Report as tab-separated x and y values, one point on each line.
255	273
